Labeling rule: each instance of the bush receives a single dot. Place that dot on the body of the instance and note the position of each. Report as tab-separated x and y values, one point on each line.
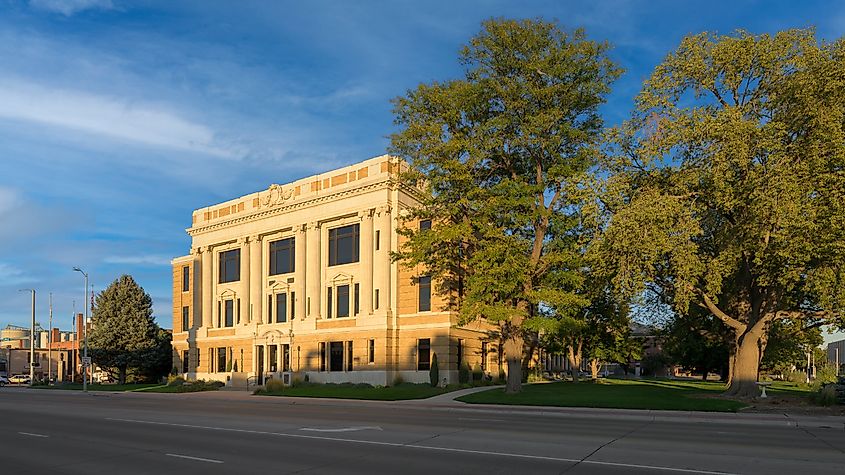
175	380
795	376
463	373
825	396
477	375
274	385
434	372
398	380
824	375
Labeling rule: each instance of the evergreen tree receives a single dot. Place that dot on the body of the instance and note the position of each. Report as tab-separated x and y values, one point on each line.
124	334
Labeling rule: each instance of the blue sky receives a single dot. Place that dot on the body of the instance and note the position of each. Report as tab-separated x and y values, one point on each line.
118	118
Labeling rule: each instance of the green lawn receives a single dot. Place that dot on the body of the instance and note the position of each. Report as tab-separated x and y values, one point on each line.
617	393
100	387
349	391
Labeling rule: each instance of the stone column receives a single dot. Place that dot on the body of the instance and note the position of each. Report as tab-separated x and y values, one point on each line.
206	269
381	264
245	283
300	274
312	269
255	280
367	246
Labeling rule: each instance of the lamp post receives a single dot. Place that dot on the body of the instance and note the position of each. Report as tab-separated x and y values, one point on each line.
85	334
31	338
50	345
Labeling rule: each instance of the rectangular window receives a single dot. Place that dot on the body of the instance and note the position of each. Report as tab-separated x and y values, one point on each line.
186	361
371	352
230	266
425	293
378	239
425	224
423	354
186	278
285	357
219	314
349	356
269	307
322	356
342	301
239	311
186	321
344	243
375	301
460	353
329	303
357	298
336	356
211	368
483	356
281	308
230	312
282	256
292	305
272	356
221	360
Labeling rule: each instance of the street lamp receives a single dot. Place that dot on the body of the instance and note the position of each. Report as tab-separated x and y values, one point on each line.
85	334
31	338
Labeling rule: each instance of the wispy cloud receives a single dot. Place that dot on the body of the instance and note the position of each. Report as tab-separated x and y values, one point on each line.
143	123
10	275
140	260
71	7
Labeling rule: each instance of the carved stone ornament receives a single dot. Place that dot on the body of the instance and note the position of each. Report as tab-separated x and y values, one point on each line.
276	195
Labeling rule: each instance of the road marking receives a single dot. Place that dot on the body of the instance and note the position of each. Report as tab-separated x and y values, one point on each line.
198	459
342	429
33	435
424	447
479	419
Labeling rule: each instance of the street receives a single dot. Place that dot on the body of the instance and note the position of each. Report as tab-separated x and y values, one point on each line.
47	431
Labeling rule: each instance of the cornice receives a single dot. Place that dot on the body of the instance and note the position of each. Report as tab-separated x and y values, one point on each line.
265	213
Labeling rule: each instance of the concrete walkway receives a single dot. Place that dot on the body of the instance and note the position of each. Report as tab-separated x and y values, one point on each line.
448	399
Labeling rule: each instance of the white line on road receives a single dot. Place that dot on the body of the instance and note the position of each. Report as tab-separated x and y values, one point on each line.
424	447
342	429
33	435
198	459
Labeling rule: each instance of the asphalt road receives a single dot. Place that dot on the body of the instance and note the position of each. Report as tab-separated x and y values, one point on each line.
44	431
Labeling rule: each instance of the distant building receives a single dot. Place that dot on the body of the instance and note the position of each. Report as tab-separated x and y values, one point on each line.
298	278
836	353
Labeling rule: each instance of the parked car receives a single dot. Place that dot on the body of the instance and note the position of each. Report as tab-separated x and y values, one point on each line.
20	379
3	381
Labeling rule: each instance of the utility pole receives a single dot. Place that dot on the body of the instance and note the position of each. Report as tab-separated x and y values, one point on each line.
50	344
31	339
85	334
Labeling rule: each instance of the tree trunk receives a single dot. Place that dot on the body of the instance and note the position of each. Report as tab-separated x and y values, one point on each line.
513	355
594	369
574	357
745	366
121	375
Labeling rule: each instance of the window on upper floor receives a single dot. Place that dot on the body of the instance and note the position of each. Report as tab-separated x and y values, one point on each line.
281	308
424	285
342	301
186	320
186	278
425	224
230	266
282	256
344	244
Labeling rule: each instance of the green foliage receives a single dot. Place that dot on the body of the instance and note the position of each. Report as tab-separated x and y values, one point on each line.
124	335
786	346
398	380
825	374
434	371
725	187
697	342
463	373
517	133
274	385
477	374
824	396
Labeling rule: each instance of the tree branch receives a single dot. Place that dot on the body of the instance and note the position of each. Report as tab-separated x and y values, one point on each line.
727	319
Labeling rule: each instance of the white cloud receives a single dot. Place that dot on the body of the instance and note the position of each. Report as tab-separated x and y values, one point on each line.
9	198
71	7
108	116
10	275
148	259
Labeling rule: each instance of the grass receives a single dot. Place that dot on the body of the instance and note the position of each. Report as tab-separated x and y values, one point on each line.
352	391
617	393
100	387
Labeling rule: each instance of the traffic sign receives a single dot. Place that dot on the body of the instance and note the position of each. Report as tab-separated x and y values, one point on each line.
86	361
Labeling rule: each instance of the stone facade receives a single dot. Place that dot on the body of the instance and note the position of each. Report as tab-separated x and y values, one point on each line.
250	321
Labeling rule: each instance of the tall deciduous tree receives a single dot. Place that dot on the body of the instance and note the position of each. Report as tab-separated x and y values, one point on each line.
124	333
728	186
497	155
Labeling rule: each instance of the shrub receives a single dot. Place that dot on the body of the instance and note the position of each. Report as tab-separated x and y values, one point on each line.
274	385
476	373
796	376
398	380
824	375
175	380
826	396
463	373
434	371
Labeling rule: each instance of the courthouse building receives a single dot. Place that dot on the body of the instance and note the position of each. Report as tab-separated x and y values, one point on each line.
297	280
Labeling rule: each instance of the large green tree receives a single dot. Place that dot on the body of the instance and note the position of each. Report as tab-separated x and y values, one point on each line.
727	186
497	156
124	334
